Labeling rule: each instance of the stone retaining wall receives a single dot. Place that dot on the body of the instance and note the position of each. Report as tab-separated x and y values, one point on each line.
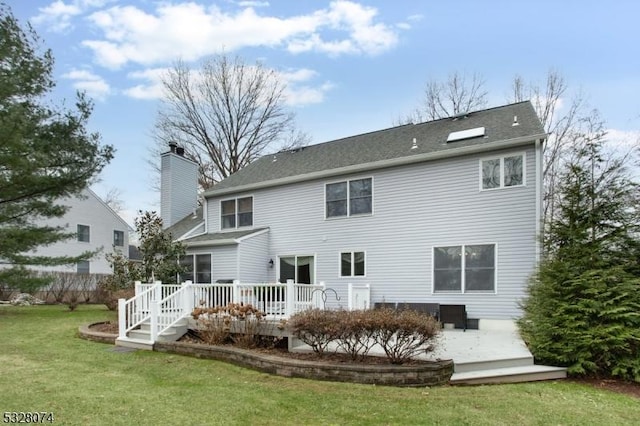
429	374
86	333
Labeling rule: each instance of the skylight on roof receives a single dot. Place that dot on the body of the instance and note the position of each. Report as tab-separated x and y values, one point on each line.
465	134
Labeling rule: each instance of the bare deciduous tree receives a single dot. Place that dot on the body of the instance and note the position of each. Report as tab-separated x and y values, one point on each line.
459	94
562	128
226	114
113	199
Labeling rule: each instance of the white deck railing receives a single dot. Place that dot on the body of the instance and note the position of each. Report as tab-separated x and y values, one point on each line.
164	305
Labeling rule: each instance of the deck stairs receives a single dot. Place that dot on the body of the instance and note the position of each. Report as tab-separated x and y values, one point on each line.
140	338
505	370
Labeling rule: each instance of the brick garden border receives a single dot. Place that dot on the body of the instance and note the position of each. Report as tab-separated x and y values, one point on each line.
425	374
415	375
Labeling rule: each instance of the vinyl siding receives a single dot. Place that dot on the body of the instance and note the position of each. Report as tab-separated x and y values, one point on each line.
254	258
224	263
102	221
415	208
179	183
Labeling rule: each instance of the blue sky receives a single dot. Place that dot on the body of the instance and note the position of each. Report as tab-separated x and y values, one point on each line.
351	66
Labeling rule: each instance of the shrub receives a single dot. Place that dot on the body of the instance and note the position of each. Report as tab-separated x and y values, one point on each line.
402	335
235	322
357	332
315	327
589	322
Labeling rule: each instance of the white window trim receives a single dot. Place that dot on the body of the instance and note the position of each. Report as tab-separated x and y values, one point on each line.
78	234
352	264
88	263
236	212
296	256
501	157
324	205
194	262
114	237
463	291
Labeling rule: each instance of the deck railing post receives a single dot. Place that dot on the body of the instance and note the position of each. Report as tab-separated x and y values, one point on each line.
290	299
157	291
154	320
138	307
187	298
235	291
122	318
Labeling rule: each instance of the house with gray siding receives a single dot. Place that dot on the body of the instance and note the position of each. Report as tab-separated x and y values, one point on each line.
446	212
96	227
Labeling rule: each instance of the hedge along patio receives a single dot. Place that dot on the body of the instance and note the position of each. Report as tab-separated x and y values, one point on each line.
44	366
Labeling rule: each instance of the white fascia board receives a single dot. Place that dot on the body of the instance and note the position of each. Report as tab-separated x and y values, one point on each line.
382	164
254	234
209	243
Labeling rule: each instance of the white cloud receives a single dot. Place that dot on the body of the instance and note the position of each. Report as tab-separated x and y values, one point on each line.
150	90
623	139
191	31
253	3
299	91
93	84
58	15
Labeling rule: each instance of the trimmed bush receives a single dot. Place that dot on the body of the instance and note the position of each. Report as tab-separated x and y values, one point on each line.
237	323
402	334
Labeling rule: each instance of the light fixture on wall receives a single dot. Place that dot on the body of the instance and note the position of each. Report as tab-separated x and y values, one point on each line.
270	263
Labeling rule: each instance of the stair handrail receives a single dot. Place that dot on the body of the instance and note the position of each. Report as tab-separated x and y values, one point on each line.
173	308
136	310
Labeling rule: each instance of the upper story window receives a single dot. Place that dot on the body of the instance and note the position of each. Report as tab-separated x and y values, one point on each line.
118	238
349	198
502	172
464	269
84	232
236	213
352	264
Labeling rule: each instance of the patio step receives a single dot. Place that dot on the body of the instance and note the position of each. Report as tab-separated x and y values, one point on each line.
509	375
491	364
129	342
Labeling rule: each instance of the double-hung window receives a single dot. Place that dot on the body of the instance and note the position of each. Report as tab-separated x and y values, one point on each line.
236	213
352	264
502	172
465	268
84	233
349	198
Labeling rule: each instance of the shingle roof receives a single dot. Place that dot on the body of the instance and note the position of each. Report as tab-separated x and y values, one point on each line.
186	224
388	144
221	236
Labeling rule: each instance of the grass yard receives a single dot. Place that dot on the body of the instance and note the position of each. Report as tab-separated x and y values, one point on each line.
45	367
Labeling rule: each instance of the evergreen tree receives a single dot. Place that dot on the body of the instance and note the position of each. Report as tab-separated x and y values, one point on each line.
46	153
583	309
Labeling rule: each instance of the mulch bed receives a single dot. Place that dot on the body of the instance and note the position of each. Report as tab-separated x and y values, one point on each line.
105	327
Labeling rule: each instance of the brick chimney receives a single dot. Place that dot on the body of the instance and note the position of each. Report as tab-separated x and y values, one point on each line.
178	185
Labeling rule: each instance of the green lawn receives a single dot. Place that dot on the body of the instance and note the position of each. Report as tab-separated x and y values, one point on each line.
45	367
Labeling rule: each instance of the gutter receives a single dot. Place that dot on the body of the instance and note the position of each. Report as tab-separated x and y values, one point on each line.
382	164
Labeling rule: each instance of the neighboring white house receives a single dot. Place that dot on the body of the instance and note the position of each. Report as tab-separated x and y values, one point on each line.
444	212
97	227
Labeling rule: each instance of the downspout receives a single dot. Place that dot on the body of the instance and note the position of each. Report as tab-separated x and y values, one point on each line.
539	183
